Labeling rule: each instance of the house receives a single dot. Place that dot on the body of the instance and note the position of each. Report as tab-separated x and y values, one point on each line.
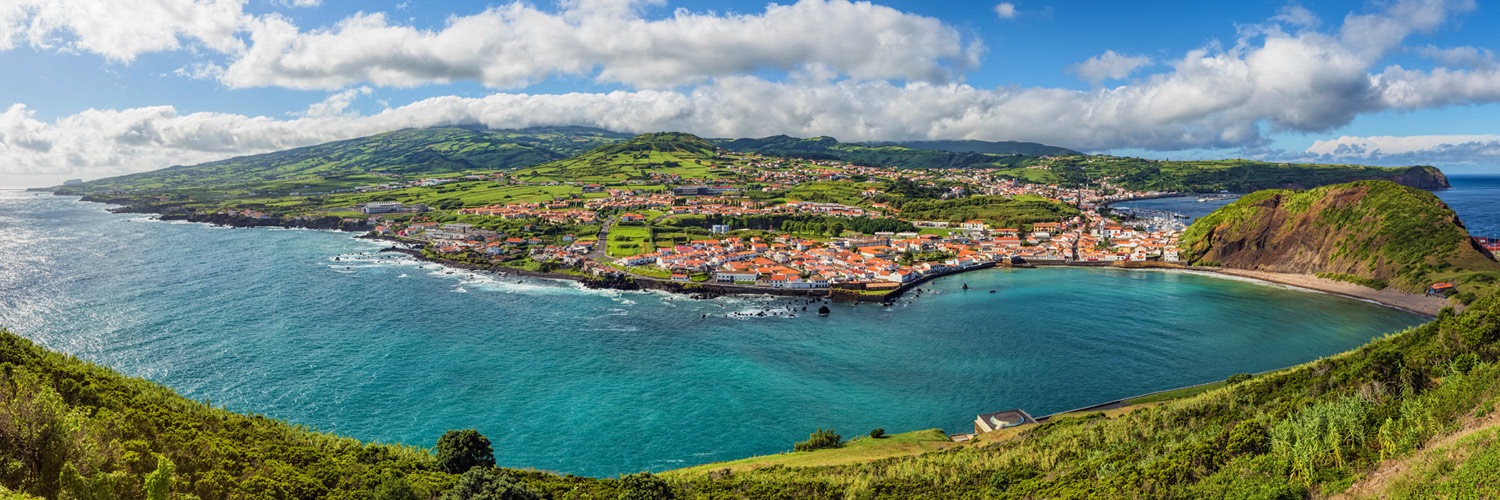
1440	289
974	225
680	277
632	218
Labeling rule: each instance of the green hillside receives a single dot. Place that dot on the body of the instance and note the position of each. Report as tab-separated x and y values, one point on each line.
1239	176
987	147
342	164
875	155
669	153
1369	229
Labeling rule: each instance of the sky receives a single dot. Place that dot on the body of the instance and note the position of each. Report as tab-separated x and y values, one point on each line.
97	88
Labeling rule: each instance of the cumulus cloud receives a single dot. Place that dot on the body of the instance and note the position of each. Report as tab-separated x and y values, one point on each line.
514	45
1108	66
507	46
121	30
1005	10
1278	76
1408	150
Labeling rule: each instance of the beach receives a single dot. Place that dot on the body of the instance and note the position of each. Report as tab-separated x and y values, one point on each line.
1426	306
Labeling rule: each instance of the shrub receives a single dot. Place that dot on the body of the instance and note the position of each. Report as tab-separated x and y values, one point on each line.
1465	362
644	486
877	433
1248	438
459	451
820	439
395	488
1237	378
485	483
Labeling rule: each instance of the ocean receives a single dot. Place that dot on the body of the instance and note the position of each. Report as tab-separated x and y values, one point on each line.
318	329
1473	197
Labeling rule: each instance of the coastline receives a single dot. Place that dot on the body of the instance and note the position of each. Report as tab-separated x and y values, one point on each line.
1389	297
1411	303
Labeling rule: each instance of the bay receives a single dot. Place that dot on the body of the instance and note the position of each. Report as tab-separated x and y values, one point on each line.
380	347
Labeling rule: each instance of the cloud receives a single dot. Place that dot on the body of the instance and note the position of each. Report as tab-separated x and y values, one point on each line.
1108	66
122	30
1278	76
1462	57
515	45
1005	10
336	103
1410	150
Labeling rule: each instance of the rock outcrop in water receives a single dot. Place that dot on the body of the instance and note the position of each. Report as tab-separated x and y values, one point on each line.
1370	229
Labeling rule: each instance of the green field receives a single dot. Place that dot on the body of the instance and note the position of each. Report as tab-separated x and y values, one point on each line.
857	450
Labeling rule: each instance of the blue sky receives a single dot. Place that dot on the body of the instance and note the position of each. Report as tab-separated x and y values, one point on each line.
99	88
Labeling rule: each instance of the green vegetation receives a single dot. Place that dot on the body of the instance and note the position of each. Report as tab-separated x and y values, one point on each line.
459	451
1373	230
859	450
670	153
1377	284
346	164
997	210
1240	176
820	439
919	154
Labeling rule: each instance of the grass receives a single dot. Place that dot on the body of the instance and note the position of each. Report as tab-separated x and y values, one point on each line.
1175	393
625	241
858	450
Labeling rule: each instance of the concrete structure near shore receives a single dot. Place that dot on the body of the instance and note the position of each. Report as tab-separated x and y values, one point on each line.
990	422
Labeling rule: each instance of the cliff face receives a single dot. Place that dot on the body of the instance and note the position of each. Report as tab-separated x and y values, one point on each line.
1423	177
1374	229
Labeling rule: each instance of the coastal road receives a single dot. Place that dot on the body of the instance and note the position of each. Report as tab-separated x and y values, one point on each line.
599	251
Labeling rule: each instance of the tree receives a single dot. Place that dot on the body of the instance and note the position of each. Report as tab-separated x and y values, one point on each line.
459	451
820	439
644	486
878	433
159	482
488	483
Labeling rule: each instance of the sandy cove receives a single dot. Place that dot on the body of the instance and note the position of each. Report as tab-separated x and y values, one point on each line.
1419	304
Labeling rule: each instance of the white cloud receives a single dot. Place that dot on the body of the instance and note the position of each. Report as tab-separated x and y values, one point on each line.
1005	10
1410	150
336	103
121	30
1108	66
1461	57
1297	15
298	3
1269	79
514	45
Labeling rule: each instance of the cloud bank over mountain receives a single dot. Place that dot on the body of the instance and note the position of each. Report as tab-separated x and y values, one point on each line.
853	70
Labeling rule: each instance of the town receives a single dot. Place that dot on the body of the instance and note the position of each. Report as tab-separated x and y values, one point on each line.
747	226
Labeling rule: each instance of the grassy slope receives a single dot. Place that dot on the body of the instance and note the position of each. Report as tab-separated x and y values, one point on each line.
681	154
1370	229
342	164
861	449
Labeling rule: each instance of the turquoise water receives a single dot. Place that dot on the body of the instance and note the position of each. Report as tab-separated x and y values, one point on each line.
602	383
